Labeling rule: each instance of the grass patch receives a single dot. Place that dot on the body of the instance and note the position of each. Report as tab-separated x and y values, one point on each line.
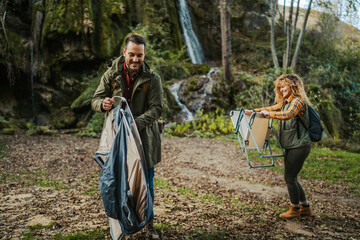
164	185
333	166
93	184
4	150
40	178
34	232
9	177
162	226
90	235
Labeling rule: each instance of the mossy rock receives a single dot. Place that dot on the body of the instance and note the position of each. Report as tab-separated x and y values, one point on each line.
4	123
84	100
41	130
193	84
171	107
331	118
63	118
330	115
8	131
197	69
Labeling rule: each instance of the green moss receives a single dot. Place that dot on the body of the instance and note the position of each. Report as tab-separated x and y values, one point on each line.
8	131
197	69
84	100
330	115
63	118
192	84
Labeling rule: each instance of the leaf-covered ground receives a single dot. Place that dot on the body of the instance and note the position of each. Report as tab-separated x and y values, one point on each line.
204	190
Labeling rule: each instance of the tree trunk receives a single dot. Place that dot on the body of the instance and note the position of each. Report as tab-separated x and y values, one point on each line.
288	36
284	16
296	53
273	7
295	23
226	39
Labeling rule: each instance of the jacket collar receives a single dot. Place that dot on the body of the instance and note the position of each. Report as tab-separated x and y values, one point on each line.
118	65
289	98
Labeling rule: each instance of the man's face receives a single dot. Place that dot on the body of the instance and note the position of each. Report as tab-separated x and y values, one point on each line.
134	56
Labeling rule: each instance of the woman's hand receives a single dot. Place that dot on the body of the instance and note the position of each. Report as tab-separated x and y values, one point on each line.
265	113
248	112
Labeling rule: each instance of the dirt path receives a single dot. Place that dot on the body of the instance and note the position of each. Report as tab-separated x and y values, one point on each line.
204	190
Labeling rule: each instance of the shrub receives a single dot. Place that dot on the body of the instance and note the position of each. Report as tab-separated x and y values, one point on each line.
210	125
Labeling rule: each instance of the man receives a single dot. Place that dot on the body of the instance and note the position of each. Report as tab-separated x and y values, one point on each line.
130	77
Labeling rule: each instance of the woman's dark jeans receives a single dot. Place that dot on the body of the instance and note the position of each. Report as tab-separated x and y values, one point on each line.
294	160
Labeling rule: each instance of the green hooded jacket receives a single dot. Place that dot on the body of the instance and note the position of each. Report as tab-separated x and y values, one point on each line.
146	104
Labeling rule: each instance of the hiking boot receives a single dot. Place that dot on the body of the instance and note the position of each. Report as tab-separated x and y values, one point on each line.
292	212
151	232
305	210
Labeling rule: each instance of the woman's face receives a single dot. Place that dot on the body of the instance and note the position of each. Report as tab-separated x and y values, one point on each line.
285	91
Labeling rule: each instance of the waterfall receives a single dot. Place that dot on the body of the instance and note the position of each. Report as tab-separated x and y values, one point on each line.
198	98
192	42
209	83
188	116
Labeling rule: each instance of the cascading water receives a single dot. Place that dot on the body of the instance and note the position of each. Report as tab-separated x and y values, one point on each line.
192	42
188	116
208	86
196	100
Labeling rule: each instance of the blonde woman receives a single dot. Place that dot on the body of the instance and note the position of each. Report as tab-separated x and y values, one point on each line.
291	104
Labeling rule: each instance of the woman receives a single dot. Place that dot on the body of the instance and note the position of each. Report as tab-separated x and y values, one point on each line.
291	105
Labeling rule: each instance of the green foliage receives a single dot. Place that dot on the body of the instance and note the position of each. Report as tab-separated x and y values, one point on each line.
33	130
258	91
95	125
251	54
336	70
197	69
336	167
165	61
210	125
90	83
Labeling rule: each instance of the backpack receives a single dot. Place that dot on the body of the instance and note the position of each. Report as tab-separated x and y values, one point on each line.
315	128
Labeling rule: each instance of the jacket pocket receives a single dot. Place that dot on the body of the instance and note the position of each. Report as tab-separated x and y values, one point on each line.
288	138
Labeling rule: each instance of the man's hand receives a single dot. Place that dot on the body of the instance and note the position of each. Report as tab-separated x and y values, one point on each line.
107	103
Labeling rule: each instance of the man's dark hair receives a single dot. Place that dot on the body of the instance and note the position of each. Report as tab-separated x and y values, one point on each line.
136	39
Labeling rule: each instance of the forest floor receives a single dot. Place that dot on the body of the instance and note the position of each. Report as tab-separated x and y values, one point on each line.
204	189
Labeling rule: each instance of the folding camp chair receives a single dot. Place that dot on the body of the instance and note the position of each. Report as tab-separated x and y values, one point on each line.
254	132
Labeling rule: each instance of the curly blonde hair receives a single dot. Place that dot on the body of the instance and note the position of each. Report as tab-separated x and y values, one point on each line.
296	85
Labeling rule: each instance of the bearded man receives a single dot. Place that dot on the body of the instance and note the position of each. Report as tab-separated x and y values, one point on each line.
131	77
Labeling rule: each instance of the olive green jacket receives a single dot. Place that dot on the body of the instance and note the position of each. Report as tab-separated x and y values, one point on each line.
146	104
292	133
